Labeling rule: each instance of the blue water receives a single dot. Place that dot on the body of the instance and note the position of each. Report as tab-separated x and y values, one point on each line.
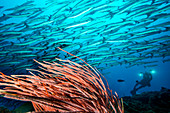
130	75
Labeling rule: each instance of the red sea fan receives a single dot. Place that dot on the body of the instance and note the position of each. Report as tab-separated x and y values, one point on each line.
65	86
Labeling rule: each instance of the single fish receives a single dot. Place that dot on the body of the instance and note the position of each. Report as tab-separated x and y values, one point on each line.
81	13
150	66
120	80
80	24
11	33
167	60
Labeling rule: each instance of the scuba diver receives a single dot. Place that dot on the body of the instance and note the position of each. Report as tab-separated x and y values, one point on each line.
147	77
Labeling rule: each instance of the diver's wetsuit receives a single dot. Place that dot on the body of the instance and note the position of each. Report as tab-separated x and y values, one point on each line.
147	77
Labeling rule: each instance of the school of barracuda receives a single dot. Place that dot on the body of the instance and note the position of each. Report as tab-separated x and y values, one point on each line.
102	32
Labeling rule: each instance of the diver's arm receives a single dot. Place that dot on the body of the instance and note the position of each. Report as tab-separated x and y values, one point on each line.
150	76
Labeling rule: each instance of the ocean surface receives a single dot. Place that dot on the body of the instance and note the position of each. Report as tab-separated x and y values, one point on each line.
120	38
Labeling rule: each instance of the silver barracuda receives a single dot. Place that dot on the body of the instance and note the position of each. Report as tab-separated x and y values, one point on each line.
109	33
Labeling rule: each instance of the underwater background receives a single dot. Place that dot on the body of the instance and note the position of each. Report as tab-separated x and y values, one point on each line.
121	38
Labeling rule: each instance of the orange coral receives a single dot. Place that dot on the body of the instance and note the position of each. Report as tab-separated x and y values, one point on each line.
65	86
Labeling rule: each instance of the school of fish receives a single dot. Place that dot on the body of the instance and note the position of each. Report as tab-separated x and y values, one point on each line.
102	32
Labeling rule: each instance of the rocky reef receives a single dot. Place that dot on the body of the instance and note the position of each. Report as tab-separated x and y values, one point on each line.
148	102
14	106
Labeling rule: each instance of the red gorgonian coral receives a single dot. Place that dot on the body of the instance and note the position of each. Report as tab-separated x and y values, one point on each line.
65	86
